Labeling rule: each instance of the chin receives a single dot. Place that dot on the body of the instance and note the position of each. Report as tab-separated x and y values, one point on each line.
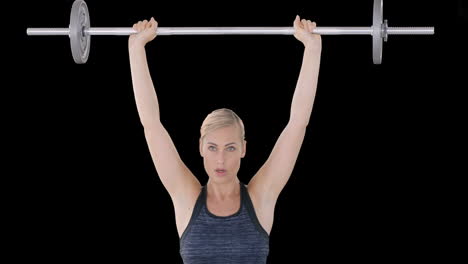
221	179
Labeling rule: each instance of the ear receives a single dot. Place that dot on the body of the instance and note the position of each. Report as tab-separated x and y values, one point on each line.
244	149
200	147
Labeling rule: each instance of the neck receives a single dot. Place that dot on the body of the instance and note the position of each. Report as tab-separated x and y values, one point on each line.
223	191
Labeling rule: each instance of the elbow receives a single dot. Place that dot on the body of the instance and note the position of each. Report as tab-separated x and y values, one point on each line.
298	122
150	123
300	118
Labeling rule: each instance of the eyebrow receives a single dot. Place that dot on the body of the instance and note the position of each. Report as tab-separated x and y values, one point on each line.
225	145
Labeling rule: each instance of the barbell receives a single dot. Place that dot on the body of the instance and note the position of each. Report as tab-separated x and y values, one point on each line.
80	32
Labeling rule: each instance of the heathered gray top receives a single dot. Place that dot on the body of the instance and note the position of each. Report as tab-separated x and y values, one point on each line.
237	238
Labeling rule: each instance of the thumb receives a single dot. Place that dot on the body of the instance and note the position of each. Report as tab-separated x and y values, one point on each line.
296	21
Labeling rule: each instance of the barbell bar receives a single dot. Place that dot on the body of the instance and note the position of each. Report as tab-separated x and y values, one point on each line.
80	32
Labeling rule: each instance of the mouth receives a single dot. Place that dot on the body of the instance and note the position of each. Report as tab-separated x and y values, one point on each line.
220	172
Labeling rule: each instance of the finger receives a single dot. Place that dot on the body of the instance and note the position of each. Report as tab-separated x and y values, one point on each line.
153	25
299	24
144	24
309	26
135	26
139	26
314	26
154	22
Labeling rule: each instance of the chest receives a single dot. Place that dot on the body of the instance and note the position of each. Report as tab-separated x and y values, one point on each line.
214	241
223	208
264	212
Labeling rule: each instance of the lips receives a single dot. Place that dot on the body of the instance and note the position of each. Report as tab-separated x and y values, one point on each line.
220	170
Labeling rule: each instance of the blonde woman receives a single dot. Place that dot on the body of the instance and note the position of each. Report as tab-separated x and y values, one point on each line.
224	221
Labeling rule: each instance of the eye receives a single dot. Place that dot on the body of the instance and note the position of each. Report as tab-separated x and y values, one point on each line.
233	148
210	147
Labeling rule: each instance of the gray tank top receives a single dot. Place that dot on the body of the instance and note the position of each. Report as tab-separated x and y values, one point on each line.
238	238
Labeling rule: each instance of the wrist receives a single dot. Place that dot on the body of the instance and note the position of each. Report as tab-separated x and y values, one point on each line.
136	46
315	47
136	41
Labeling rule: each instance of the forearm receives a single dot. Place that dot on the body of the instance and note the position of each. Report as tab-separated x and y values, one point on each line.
304	94
143	88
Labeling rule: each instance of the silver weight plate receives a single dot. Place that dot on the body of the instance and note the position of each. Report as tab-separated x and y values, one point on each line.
377	38
79	41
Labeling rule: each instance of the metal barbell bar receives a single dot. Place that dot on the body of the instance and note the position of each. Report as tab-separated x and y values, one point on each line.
80	31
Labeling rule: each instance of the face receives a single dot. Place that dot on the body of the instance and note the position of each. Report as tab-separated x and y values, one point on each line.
223	149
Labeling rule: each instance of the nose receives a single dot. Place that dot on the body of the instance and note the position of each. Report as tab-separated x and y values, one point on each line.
220	157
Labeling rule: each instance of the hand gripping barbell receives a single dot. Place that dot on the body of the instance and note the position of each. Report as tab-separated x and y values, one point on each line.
80	31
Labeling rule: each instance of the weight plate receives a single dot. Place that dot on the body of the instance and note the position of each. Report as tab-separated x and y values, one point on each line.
79	41
377	40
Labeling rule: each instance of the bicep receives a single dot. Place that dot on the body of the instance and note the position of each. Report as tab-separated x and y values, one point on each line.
269	181
174	174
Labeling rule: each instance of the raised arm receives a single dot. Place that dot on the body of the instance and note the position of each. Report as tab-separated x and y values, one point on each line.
306	87
178	180
268	182
145	95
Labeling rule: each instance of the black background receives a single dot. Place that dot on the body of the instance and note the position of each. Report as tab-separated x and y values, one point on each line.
370	183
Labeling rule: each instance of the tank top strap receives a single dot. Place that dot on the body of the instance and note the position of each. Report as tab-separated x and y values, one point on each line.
251	211
196	211
200	202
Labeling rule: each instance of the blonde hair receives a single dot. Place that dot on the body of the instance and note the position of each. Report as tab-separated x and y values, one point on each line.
220	118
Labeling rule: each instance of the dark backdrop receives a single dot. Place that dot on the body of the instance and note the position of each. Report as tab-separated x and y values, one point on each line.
369	183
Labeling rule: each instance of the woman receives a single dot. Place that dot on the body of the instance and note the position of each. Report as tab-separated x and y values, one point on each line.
225	220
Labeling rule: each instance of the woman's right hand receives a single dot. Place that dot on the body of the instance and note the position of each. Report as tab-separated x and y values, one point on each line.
146	32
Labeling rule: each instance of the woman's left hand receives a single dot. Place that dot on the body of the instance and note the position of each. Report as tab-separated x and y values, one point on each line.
303	32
